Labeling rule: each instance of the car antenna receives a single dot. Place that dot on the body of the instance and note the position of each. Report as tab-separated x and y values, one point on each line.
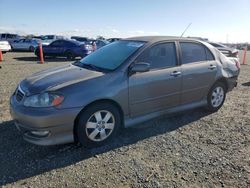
186	29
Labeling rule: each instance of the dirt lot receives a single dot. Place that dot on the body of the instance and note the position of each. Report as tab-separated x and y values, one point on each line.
189	149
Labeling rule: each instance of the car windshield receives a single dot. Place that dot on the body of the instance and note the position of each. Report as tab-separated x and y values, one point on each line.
111	56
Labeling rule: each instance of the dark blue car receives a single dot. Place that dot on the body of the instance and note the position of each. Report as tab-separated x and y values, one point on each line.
65	48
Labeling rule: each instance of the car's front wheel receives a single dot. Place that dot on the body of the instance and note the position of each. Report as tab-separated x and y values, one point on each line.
98	124
216	96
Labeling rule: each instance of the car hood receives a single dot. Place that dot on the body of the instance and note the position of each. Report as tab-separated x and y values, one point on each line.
56	78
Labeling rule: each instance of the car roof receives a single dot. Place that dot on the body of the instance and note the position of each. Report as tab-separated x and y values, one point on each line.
69	40
153	39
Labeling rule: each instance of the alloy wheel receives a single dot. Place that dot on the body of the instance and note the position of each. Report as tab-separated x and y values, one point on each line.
100	125
217	96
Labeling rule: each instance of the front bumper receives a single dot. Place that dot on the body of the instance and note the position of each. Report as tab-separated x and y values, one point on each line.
59	123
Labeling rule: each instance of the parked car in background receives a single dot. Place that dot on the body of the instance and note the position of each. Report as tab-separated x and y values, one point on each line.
80	39
65	48
25	44
113	39
9	37
99	43
122	84
47	39
5	46
231	53
227	51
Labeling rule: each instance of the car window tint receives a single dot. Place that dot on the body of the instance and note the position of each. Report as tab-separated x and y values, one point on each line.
209	54
70	44
56	43
160	56
105	58
192	52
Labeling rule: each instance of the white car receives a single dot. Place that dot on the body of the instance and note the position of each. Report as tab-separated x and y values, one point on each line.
5	46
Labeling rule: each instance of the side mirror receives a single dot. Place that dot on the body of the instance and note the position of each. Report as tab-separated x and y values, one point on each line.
140	67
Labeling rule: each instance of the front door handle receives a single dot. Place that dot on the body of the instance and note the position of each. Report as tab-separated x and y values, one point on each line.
175	73
211	67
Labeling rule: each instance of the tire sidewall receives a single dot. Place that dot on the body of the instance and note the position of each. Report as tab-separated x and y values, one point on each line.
37	53
32	49
84	117
70	55
209	97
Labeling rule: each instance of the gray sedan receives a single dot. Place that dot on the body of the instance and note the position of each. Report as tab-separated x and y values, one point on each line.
25	44
120	85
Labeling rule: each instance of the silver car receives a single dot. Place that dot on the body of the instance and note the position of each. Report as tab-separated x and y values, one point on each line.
25	44
120	85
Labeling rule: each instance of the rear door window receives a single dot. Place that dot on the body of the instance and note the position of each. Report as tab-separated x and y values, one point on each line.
192	52
69	44
160	56
57	43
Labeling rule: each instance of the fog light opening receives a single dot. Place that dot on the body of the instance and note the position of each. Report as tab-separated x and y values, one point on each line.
40	133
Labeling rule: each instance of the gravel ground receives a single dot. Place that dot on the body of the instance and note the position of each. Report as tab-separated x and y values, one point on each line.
189	149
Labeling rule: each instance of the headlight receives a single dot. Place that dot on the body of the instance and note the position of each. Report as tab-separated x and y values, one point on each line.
43	100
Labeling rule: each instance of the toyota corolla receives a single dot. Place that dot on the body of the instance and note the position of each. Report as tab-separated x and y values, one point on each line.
122	84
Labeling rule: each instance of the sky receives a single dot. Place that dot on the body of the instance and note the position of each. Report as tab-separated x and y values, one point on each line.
217	20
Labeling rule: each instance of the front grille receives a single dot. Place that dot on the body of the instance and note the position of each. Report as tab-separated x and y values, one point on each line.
19	95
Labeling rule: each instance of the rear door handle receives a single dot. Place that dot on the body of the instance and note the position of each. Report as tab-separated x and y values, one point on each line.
211	67
175	73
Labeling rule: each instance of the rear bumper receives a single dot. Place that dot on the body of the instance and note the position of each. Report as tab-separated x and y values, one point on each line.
5	48
232	83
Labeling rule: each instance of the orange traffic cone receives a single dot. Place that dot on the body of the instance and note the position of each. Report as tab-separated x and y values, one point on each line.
244	61
41	53
1	55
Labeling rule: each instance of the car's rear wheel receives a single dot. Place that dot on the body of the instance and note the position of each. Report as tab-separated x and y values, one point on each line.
216	96
98	124
31	48
37	53
70	55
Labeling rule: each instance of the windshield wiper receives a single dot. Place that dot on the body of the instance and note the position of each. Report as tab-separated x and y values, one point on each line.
93	67
89	66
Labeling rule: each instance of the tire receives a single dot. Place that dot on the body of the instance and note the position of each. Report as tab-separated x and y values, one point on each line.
70	55
216	97
31	48
37	53
92	127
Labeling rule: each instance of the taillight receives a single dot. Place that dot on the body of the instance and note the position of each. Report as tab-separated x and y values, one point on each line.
83	47
237	64
235	54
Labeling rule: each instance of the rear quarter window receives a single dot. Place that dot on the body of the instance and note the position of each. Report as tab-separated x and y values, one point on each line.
210	56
